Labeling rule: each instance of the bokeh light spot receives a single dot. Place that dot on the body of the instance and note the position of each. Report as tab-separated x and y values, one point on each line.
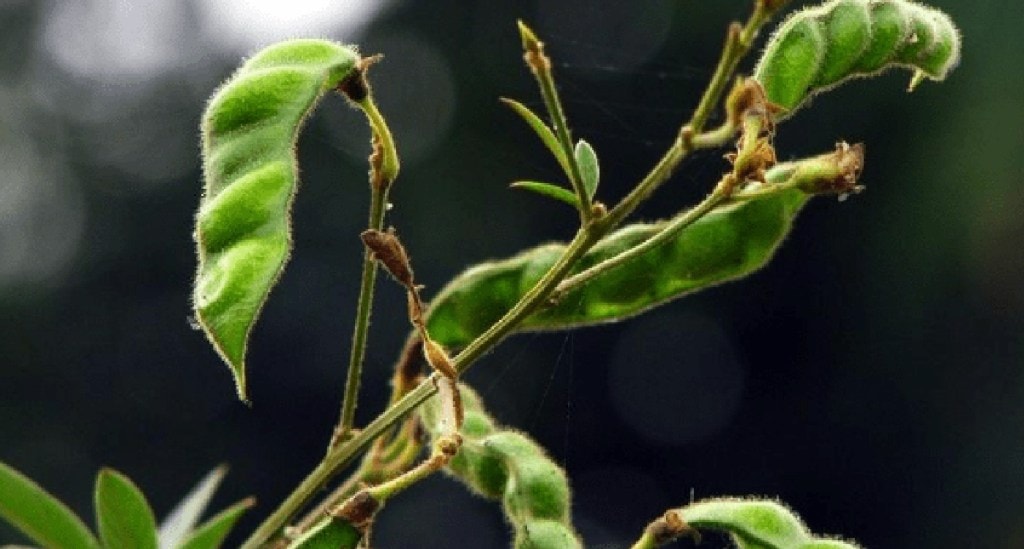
241	26
675	378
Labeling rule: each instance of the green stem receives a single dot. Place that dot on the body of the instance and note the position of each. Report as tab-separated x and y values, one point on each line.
747	152
389	162
668	232
737	43
587	236
584	239
646	541
340	456
378	201
540	66
383	171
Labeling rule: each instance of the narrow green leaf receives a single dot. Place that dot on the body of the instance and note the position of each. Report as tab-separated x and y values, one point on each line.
123	516
39	515
330	533
180	522
543	132
243	226
549	190
590	170
211	534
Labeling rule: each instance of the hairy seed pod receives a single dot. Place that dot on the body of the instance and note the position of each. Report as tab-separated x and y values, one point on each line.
728	243
242	231
545	534
537	488
755	524
506	465
818	48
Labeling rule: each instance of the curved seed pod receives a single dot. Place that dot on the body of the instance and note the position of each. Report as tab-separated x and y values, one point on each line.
506	465
242	231
546	534
536	487
752	524
757	522
819	48
726	244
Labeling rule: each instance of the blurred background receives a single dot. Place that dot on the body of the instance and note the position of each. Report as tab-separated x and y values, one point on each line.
871	376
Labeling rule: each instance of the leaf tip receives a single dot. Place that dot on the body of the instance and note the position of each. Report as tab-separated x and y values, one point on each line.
241	388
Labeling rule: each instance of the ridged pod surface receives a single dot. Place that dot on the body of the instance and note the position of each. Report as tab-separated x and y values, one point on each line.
818	48
243	230
756	524
728	243
505	465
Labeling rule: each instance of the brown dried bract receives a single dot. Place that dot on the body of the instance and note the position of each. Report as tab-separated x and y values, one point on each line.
669	527
848	163
355	86
747	98
533	50
389	251
358	510
438	358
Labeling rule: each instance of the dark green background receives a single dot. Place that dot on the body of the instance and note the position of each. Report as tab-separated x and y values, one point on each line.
871	377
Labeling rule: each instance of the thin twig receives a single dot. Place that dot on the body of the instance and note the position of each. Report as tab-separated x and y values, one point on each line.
738	43
383	171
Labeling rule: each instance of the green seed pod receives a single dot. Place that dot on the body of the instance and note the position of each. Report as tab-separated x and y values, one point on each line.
545	534
848	32
818	48
487	473
507	465
474	425
329	533
242	232
726	244
753	523
537	487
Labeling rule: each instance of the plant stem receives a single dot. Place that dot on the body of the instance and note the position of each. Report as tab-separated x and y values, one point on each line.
665	529
738	41
678	223
340	456
540	66
383	171
363	309
737	44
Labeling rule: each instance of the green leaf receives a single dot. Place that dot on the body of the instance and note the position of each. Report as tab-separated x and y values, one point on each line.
549	190
180	522
123	516
543	132
212	533
754	523
818	48
243	233
330	533
590	170
39	515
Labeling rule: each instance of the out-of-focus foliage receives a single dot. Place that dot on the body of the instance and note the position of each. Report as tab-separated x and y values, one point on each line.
886	335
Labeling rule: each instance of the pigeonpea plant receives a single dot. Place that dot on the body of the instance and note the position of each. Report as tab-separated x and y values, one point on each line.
608	271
